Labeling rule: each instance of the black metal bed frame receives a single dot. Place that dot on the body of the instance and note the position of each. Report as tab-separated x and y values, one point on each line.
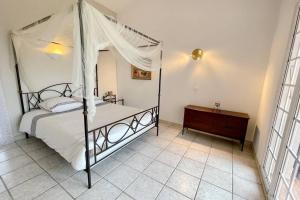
133	123
133	126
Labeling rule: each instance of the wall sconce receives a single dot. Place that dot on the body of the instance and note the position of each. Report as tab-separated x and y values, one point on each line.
197	54
55	50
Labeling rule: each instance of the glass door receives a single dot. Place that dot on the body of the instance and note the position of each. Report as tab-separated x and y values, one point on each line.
288	186
284	110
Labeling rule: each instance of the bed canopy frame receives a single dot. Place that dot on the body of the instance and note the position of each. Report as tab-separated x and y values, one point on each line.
33	98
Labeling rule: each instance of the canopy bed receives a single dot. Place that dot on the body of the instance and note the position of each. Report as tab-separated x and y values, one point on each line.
54	115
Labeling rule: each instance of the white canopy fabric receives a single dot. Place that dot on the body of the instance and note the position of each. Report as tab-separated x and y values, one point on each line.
98	33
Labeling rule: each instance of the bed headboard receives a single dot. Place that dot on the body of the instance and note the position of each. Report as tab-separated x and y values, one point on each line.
32	99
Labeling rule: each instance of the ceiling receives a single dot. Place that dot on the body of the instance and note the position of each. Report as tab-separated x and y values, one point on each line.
115	5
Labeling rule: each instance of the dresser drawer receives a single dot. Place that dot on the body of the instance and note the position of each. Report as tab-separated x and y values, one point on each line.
228	126
198	120
227	122
219	122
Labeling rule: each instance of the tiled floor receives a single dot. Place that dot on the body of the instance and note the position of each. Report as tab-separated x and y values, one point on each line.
167	167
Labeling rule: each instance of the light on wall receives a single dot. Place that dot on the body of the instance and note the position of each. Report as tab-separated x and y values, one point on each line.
55	50
197	54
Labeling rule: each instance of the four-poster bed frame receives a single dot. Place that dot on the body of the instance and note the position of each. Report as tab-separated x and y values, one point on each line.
32	99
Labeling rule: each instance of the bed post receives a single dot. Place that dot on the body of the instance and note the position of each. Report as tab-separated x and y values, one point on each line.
18	81
85	112
159	89
97	86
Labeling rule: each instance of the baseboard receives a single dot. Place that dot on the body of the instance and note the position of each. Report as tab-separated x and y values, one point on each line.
170	123
260	174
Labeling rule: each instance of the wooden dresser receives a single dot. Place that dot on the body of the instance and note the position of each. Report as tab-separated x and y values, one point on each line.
218	122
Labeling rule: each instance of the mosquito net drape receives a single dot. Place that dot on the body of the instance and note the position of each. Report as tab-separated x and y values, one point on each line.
99	33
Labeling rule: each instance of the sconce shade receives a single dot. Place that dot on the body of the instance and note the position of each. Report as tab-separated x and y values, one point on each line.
56	49
197	54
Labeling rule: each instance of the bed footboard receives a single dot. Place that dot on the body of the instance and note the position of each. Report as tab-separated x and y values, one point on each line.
105	138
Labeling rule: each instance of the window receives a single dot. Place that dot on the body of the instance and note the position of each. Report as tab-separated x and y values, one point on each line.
283	109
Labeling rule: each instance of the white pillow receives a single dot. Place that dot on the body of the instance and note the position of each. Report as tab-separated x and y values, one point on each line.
60	104
96	99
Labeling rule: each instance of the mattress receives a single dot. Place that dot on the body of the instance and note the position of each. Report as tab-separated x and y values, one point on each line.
64	132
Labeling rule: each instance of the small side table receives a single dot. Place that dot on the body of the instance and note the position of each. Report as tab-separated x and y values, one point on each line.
113	99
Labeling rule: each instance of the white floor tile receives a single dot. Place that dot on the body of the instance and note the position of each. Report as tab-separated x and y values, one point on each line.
124	196
191	167
33	187
123	154
184	139
202	138
106	166
157	141
177	148
41	153
150	150
77	183
201	147
122	176
138	162
140	176
136	145
169	158
62	172
51	161
247	151
20	175
218	177
32	146
245	167
55	193
11	153
2	187
246	172
221	152
144	188
222	144
247	189
169	194
236	197
8	147
5	196
26	141
196	155
103	190
183	183
167	135
208	191
14	163
159	171
220	162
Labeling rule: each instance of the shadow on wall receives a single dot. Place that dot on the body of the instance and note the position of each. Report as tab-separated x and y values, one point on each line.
256	137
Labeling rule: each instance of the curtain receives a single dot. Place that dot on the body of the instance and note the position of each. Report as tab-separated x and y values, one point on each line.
98	33
5	128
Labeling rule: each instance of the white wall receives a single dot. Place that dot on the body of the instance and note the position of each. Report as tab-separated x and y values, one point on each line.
16	14
107	73
236	36
136	93
274	75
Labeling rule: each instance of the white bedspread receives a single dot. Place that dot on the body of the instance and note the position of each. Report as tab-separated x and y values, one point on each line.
64	132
